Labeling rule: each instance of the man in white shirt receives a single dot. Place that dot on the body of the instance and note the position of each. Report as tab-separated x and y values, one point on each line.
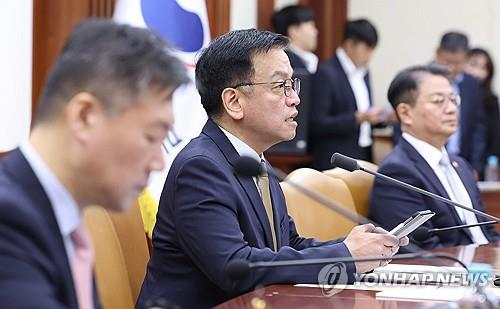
341	109
426	106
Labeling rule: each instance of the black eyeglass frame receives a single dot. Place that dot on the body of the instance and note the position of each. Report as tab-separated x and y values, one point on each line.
294	85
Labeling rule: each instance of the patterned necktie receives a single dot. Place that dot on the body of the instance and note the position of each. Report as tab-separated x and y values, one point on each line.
82	266
263	181
461	196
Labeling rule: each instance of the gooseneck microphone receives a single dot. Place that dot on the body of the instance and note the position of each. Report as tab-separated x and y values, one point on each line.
248	166
238	269
350	164
423	233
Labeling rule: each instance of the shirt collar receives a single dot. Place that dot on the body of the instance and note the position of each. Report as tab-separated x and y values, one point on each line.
66	211
349	68
309	58
240	146
430	153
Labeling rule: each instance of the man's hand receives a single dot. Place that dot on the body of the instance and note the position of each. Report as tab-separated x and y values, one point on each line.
367	240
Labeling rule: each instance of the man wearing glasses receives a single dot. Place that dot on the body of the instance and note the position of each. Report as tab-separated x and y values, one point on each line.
209	215
426	106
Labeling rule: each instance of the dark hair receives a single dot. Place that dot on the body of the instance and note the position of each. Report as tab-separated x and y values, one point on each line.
115	63
228	61
454	42
404	87
489	64
292	15
361	30
489	98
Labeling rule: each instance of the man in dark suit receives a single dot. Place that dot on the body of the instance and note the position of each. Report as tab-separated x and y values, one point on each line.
427	109
297	23
469	141
97	134
341	109
209	215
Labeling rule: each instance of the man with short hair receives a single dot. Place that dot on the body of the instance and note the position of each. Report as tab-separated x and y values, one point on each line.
297	23
97	134
469	141
341	109
209	215
426	106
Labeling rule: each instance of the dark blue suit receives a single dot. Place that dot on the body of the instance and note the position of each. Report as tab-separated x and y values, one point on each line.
390	204
34	267
333	122
472	123
208	216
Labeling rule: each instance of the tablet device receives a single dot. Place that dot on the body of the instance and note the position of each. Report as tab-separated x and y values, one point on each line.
408	226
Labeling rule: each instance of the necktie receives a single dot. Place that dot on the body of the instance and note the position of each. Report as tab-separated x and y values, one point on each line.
460	195
82	266
263	182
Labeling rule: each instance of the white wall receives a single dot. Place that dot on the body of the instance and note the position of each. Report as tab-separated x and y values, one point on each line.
410	31
16	24
243	14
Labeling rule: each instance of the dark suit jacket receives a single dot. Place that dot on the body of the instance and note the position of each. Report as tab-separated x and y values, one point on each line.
34	267
472	123
333	123
391	205
208	216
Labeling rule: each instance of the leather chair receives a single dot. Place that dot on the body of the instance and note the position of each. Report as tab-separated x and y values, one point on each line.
313	219
121	254
359	183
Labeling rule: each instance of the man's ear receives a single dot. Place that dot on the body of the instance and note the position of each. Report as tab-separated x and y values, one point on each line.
404	112
83	113
232	103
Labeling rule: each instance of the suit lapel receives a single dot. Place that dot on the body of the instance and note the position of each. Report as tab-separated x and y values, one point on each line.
346	86
212	130
20	169
427	172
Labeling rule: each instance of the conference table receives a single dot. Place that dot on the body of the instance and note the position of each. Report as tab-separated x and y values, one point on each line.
290	296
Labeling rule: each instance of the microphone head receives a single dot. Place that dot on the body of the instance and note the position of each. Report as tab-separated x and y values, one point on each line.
247	166
421	234
344	162
237	269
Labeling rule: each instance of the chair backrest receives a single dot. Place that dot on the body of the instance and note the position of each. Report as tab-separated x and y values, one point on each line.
359	183
121	254
313	219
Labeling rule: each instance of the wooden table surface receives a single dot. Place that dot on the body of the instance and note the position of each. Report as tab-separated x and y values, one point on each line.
289	296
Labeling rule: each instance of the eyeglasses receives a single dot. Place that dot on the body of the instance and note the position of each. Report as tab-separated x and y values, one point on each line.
440	100
288	85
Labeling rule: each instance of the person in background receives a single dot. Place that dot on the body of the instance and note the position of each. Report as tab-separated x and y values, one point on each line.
341	111
480	65
469	140
97	133
426	106
297	23
210	215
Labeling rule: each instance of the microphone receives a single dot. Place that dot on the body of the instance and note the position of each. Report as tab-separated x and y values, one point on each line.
248	166
350	164
239	268
423	233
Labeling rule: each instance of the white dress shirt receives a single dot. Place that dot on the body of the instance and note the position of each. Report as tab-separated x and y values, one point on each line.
66	211
356	77
243	150
433	156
